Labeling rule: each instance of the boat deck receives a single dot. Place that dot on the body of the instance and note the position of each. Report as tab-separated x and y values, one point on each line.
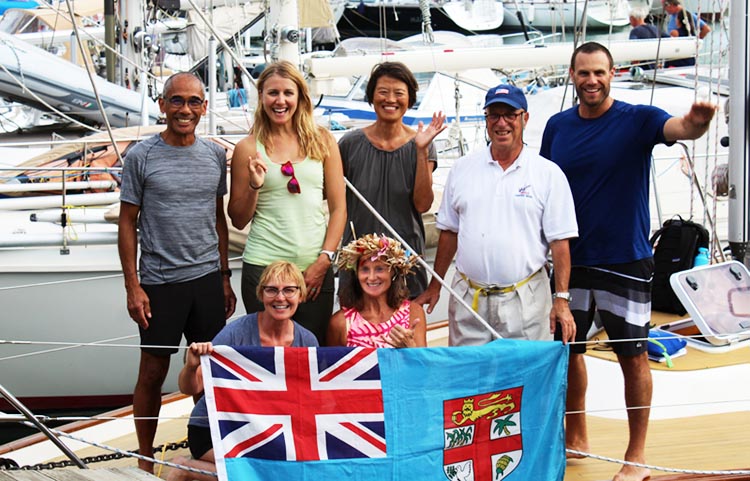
109	474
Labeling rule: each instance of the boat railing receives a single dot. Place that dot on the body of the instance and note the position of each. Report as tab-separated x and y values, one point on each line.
29	417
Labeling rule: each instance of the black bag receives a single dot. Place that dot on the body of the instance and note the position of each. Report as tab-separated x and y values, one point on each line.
675	247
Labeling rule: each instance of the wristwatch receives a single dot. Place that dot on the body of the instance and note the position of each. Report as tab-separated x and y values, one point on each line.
226	272
562	295
330	254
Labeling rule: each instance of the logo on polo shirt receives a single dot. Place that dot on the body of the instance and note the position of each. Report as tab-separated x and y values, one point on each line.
524	191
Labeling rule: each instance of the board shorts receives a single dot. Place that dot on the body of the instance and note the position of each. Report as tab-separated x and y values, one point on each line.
621	295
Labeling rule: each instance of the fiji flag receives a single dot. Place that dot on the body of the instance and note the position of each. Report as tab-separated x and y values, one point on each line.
483	413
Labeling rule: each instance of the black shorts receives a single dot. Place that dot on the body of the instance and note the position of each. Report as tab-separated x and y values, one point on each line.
193	308
621	295
199	441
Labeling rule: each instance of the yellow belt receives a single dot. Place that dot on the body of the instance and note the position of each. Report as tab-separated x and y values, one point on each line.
493	289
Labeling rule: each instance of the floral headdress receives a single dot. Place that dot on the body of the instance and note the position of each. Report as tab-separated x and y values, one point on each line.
377	247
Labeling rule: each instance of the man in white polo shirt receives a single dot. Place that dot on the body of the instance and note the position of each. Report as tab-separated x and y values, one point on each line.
504	208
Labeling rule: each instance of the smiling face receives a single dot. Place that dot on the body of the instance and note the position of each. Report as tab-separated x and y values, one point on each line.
390	99
374	277
592	76
505	135
279	97
183	103
280	307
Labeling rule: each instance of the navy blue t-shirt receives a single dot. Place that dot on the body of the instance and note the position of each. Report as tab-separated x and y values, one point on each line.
607	162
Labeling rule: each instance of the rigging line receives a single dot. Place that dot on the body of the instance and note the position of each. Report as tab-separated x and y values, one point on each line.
656	406
658	468
131	454
64	281
66	346
420	260
596	340
104	343
86	60
81	279
67	419
223	43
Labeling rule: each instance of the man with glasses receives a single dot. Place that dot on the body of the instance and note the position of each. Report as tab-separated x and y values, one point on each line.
604	147
504	208
172	190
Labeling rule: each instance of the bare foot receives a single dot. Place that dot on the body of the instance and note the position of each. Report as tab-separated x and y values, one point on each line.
632	473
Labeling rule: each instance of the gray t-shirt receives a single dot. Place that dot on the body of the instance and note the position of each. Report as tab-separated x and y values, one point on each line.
177	189
386	180
244	332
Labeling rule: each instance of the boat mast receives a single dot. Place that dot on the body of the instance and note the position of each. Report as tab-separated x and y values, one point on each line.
739	148
283	17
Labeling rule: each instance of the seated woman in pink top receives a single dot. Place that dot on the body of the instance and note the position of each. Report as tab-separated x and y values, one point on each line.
376	311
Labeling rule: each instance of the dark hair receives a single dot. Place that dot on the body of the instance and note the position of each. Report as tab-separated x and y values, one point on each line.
395	70
168	84
591	47
351	294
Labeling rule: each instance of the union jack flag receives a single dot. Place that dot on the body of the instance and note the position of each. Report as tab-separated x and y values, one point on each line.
296	404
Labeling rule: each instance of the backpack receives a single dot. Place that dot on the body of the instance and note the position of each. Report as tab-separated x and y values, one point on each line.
675	247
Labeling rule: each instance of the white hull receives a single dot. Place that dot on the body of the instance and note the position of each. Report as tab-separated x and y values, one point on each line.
558	15
78	297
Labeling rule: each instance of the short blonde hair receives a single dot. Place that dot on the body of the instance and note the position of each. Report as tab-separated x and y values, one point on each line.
282	270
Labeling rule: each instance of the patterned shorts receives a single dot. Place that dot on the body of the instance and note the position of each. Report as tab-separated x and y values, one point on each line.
621	296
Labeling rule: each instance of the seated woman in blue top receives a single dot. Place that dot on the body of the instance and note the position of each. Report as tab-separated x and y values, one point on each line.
281	289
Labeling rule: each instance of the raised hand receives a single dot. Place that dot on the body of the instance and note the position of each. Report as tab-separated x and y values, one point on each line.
427	134
256	170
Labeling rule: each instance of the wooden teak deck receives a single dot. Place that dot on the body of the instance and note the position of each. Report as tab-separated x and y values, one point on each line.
107	474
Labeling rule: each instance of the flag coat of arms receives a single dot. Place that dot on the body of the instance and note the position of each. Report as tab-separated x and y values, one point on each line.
484	413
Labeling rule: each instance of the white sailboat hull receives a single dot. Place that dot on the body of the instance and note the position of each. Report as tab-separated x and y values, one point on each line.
558	15
78	297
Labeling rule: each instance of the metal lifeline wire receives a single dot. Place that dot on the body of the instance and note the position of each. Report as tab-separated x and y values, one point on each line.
593	456
131	454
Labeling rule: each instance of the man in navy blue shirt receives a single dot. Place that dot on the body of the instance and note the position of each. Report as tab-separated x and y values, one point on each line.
604	148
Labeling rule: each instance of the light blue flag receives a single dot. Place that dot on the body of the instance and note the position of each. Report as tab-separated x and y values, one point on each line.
483	413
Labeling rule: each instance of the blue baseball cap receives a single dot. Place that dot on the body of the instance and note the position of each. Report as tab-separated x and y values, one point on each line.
506	94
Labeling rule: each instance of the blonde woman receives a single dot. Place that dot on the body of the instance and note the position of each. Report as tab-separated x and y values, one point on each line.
281	173
281	290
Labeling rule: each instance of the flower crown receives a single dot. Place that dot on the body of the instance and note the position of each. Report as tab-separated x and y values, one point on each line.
377	247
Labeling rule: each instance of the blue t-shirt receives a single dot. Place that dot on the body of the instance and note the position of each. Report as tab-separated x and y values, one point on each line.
645	30
607	162
672	23
244	332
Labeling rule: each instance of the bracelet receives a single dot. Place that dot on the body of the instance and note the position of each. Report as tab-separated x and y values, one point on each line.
257	188
226	272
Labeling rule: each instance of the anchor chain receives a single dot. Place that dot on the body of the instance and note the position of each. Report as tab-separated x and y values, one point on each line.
10	465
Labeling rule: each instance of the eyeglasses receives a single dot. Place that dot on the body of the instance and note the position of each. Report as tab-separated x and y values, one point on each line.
288	291
508	116
293	185
179	102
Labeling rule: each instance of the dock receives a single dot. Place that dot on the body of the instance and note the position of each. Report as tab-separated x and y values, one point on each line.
102	474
